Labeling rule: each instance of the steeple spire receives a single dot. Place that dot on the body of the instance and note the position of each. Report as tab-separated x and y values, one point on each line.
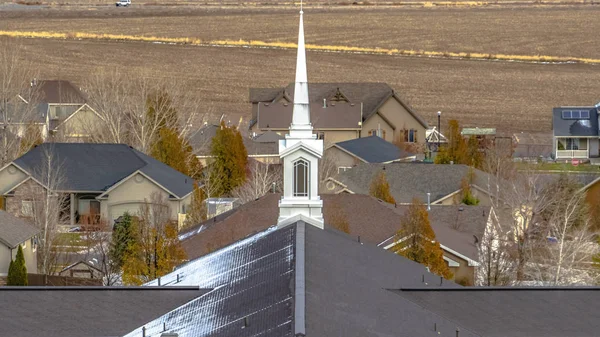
301	127
300	152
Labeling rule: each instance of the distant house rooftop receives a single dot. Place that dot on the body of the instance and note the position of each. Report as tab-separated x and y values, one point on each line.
14	231
96	167
575	121
373	149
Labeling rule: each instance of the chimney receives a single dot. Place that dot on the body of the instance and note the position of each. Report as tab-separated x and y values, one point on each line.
428	201
324	103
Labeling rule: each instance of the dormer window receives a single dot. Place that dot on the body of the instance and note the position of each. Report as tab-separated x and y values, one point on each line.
301	169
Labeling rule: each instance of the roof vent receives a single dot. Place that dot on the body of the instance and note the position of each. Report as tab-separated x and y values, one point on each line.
460	209
266	104
324	103
332	104
351	104
285	104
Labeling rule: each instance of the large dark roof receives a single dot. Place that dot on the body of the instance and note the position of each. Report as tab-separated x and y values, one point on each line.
575	127
412	180
514	312
339	116
97	167
59	91
373	149
253	281
85	311
14	231
256	278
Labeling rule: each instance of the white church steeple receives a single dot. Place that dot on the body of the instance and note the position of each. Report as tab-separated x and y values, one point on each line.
300	152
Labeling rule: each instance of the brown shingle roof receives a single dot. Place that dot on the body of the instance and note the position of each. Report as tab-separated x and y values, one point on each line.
338	116
264	94
373	220
59	91
370	94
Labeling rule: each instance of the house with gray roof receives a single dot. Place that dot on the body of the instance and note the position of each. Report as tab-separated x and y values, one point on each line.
439	183
372	149
101	181
14	232
341	111
53	107
575	133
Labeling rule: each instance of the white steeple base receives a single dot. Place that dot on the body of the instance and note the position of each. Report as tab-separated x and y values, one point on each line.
290	210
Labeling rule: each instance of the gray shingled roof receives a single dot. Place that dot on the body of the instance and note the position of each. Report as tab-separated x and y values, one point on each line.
514	312
339	116
85	311
268	137
373	149
201	140
575	127
14	231
345	281
97	167
412	180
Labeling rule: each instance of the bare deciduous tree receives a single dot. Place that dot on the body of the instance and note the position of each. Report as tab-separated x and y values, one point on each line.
133	109
538	231
262	179
564	255
50	209
98	243
18	99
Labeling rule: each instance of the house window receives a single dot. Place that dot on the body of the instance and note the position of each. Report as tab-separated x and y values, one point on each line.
343	169
410	136
321	135
377	132
27	207
572	144
300	182
183	209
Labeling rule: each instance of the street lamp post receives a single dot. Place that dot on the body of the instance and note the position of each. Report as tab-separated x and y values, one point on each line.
438	130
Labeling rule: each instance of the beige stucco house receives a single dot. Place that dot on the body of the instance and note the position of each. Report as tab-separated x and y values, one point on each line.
340	112
55	109
98	181
15	232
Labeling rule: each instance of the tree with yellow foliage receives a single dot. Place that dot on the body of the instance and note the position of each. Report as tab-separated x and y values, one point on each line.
416	240
380	188
155	249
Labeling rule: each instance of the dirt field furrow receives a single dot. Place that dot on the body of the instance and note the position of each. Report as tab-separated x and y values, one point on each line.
509	96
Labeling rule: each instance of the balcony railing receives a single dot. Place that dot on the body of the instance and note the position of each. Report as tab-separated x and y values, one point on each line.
568	154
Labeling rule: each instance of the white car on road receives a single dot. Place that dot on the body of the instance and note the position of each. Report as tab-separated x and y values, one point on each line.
123	3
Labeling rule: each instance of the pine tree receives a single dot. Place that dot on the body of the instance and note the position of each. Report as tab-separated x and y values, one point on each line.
122	238
175	151
231	159
417	240
17	271
380	188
